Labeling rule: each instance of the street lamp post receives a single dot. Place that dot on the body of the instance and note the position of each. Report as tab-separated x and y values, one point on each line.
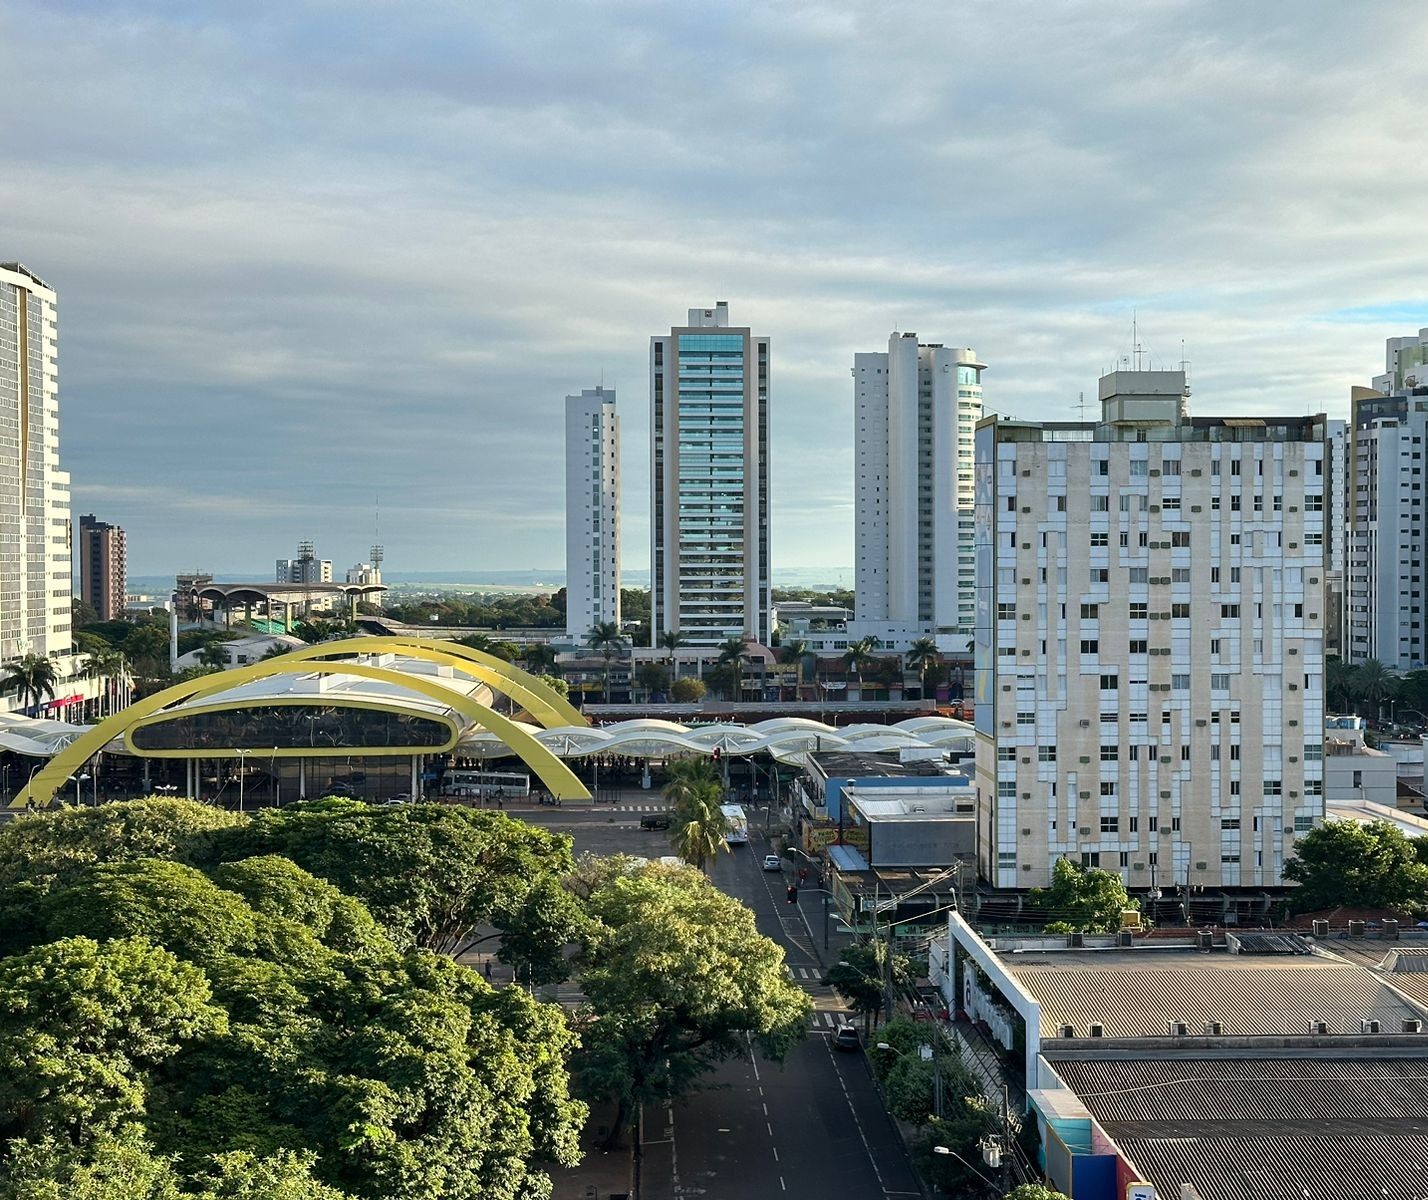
242	773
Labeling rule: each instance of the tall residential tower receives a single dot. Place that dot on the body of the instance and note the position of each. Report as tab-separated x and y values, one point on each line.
915	414
36	566
592	511
709	478
103	567
1150	628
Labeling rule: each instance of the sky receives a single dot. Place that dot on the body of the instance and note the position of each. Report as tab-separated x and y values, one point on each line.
316	259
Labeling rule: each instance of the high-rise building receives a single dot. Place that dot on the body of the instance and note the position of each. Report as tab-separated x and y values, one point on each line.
709	476
1388	434
36	564
103	567
1150	627
915	412
305	568
592	511
1405	364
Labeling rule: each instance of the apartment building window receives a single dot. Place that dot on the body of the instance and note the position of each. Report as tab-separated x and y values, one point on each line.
1100	540
1006	612
1006	790
1006	860
1170	504
1090	612
1090	646
1110	825
1026	718
1006	754
1138	575
1109	787
1110	753
1179	574
1046	754
1139	612
1229	611
1180	683
1153	826
1179	611
1138	646
1171	466
1100	575
1091	858
1230	859
1138	467
1100	504
1303	824
1313	787
1109	683
1180	539
1229	822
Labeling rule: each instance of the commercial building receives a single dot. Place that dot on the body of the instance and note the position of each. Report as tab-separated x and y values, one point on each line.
36	569
1253	1064
915	411
305	568
1149	659
709	477
1386	545
592	511
1405	363
103	567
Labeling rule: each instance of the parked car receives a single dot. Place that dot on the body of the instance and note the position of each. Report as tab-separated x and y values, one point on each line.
655	821
846	1038
772	862
399	798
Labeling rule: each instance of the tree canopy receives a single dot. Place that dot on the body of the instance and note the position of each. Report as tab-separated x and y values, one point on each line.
1344	863
1084	899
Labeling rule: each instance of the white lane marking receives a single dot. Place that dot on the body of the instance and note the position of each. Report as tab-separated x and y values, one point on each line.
782	1184
853	1112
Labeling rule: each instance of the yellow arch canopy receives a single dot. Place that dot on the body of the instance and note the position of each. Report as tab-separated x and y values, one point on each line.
548	768
543	702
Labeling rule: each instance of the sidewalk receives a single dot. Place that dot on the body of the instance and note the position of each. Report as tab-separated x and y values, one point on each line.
601	1174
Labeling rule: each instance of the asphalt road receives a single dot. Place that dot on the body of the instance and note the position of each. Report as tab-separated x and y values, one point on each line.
809	1128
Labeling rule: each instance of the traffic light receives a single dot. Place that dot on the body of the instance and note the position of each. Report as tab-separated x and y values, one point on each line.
718	753
792	894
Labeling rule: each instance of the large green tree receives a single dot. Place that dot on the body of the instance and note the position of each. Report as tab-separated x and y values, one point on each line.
697	821
677	976
1082	898
1347	864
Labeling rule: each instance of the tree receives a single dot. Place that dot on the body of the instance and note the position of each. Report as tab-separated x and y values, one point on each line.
606	637
677	977
555	683
858	656
860	974
732	652
1082	898
104	662
1340	688
698	824
539	657
670	641
1346	864
214	654
687	691
795	652
1373	682
81	614
652	677
32	678
921	655
1035	1191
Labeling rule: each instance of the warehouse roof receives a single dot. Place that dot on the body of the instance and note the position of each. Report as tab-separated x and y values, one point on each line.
1141	993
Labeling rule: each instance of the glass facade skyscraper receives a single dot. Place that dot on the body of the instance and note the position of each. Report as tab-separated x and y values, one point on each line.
709	480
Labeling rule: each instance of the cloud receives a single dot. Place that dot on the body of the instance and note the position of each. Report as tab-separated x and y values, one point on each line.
310	255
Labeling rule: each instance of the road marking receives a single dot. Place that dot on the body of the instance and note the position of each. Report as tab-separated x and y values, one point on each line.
775	1150
782	1184
853	1112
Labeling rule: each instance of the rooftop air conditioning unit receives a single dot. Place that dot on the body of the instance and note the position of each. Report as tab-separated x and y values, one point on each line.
1068	1031
1319	1028
1390	928
1321	929
1413	1026
1214	1029
1096	1030
1178	1029
1125	938
1356	929
1370	1026
1076	940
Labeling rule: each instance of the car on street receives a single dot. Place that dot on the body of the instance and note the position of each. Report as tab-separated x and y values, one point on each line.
772	862
655	821
399	798
846	1038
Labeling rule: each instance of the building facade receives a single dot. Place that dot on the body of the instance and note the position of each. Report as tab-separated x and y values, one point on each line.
1405	364
915	411
305	568
1386	548
709	477
1149	658
103	567
36	555
592	511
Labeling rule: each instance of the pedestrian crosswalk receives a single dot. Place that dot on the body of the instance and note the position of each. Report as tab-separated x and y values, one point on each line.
804	974
828	1012
829	1020
641	808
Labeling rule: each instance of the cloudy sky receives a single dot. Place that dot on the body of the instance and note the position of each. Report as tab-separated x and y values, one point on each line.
310	255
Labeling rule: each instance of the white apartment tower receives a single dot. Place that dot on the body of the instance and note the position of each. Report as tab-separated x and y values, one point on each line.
1405	364
305	568
592	511
915	412
709	480
1149	641
36	583
1387	547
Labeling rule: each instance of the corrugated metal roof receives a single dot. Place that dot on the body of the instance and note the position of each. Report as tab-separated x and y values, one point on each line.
1259	996
1276	1091
1359	1167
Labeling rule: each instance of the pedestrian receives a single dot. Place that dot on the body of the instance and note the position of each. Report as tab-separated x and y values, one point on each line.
488	969
802	875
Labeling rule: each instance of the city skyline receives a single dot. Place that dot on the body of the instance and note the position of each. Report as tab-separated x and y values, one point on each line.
233	285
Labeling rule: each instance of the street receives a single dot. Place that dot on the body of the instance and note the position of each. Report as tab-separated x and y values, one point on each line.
810	1128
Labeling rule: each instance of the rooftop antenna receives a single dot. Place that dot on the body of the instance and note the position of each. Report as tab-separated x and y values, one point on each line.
1135	337
378	554
1081	405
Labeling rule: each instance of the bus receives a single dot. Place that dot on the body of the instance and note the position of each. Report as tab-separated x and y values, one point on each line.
486	785
738	824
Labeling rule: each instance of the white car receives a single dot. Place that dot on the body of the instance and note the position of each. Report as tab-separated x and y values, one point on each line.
772	862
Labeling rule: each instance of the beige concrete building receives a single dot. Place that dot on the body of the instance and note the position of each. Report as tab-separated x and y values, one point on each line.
1149	684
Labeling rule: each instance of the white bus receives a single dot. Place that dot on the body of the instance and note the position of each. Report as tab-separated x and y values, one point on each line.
738	832
486	785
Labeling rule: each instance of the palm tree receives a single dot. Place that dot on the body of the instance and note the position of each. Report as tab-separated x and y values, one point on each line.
1339	684
921	655
732	652
1374	682
32	678
539	657
213	655
671	640
607	637
858	656
106	663
699	824
795	652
